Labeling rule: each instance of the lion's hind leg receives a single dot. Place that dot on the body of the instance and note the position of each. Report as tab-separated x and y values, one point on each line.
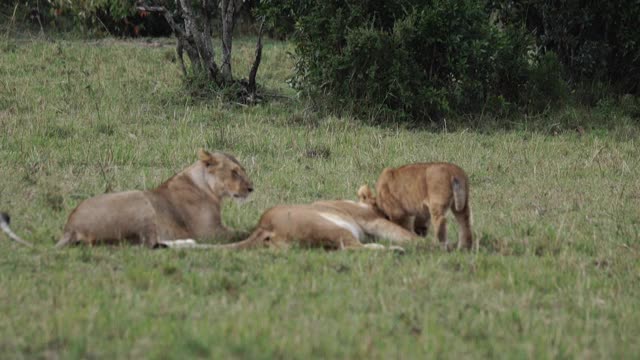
439	223
387	230
465	235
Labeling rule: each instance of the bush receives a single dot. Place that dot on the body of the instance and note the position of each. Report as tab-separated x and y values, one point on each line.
90	15
596	41
545	86
94	17
416	61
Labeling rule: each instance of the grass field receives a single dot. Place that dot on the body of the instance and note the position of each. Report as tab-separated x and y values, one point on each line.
557	214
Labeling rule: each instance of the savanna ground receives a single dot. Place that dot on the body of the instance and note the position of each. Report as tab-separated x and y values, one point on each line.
556	213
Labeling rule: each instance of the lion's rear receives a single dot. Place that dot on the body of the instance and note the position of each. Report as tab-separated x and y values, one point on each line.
110	218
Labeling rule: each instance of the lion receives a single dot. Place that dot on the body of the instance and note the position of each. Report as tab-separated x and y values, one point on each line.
331	225
413	194
188	205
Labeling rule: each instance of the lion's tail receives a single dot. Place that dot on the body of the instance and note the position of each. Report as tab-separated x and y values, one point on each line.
257	238
4	225
459	194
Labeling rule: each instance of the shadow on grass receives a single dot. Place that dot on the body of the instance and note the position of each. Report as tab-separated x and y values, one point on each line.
487	243
619	117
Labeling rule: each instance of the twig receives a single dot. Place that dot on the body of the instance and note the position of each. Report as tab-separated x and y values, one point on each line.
12	22
277	96
256	63
39	20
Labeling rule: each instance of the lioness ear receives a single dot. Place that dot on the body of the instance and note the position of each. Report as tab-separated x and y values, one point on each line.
203	154
365	194
206	156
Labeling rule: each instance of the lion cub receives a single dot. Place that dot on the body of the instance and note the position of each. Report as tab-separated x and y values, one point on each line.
425	191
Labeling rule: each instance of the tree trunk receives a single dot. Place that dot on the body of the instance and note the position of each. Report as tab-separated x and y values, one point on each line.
201	39
252	96
229	9
194	37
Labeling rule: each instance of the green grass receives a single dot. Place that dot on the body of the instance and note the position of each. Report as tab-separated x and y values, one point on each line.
557	274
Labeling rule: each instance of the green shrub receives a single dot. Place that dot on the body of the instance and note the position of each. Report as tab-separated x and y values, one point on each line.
418	61
545	86
596	41
91	15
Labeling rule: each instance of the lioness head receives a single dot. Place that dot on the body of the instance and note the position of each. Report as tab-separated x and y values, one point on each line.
365	195
224	175
267	239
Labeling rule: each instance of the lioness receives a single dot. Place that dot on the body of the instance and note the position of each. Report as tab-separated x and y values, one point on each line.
332	225
185	206
426	191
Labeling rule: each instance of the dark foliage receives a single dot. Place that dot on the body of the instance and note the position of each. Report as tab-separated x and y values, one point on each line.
418	59
594	40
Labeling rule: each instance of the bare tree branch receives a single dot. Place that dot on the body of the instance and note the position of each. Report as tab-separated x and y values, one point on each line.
181	36
194	36
251	88
229	9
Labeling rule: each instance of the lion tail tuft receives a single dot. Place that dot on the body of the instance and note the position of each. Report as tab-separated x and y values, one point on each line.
66	239
4	225
459	194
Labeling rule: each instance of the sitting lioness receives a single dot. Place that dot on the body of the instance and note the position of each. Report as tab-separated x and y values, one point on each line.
332	225
185	206
412	194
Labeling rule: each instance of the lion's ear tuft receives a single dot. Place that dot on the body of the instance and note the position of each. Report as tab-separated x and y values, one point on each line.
365	194
203	154
206	157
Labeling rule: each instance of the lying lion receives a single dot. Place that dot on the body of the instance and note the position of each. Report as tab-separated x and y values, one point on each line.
332	225
187	205
413	194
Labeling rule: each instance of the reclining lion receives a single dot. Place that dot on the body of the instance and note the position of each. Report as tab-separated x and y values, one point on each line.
331	225
187	205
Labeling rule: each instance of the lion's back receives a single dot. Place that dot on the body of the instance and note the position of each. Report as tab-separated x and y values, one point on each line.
112	215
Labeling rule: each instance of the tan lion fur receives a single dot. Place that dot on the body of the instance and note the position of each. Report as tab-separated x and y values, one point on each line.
413	195
332	225
188	205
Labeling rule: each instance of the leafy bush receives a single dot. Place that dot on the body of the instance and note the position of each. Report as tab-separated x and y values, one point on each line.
415	60
93	17
596	41
87	15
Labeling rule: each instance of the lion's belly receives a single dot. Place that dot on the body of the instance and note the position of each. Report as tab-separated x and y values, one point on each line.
113	217
311	227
